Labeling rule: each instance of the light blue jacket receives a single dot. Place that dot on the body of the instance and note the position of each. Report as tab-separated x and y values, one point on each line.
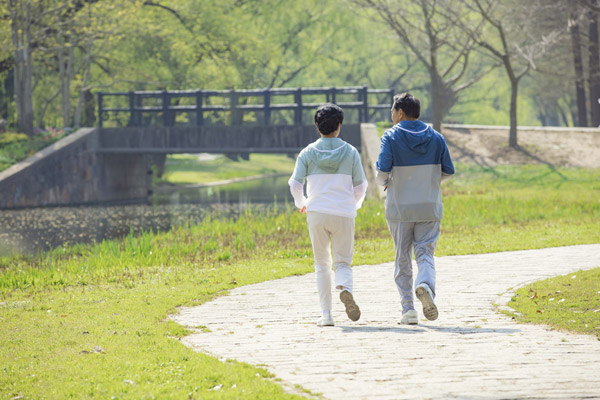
334	176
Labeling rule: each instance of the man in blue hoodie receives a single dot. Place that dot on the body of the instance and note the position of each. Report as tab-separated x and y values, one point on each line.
413	161
335	187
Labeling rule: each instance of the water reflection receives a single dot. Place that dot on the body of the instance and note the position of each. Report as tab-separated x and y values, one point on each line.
32	230
266	190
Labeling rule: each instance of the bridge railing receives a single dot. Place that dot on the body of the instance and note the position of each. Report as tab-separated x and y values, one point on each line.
129	108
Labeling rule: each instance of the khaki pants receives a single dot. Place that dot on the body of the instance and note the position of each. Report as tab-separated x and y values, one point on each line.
331	234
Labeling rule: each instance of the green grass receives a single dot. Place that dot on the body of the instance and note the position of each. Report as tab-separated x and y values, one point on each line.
185	168
15	147
570	302
57	307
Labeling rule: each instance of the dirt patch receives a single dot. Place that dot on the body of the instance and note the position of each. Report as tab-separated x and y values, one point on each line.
556	147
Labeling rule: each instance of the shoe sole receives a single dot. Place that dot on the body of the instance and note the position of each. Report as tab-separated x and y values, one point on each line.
322	325
430	310
352	309
410	321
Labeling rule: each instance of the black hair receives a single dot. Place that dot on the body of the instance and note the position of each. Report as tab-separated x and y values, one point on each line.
328	117
408	103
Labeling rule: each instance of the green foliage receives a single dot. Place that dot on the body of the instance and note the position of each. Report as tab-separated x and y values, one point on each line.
570	302
7	138
137	45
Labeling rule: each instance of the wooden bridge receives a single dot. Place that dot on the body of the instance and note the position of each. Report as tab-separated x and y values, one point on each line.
263	107
114	162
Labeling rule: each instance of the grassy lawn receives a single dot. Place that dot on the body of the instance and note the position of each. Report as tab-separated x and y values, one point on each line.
570	302
186	168
91	321
15	147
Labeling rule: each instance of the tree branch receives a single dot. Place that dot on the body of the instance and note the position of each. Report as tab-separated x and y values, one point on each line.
592	5
169	9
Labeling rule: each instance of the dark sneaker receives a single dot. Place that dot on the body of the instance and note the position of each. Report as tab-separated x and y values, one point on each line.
351	308
425	296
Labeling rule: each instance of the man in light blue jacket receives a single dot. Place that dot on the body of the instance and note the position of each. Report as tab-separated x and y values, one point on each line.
413	161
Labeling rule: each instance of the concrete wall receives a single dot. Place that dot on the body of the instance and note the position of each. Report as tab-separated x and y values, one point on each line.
369	154
70	172
63	173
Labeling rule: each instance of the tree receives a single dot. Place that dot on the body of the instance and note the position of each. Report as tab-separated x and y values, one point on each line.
23	16
574	23
425	30
513	45
594	64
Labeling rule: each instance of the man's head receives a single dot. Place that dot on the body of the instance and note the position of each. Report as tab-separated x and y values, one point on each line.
328	118
405	107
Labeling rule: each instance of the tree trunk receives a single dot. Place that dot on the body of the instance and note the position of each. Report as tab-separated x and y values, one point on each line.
86	77
594	63
436	100
579	76
514	90
65	66
23	74
90	108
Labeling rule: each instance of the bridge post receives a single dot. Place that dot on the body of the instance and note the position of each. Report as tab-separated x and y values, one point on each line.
166	104
131	109
298	110
363	115
138	112
236	119
199	113
100	109
267	104
236	114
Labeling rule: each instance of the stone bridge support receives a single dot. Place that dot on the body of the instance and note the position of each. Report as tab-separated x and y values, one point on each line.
71	172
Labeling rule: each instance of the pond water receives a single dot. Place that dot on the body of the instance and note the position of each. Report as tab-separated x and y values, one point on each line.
32	230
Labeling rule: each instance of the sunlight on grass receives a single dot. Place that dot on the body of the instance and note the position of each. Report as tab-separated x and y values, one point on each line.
570	302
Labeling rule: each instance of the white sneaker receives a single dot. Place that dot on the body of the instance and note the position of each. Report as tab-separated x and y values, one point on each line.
409	318
425	296
325	322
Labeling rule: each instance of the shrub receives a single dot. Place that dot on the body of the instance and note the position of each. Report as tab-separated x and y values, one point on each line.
12	137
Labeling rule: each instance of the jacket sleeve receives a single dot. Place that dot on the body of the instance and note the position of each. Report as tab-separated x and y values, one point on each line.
359	181
297	180
446	161
384	163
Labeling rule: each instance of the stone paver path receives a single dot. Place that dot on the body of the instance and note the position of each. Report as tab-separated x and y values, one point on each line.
470	352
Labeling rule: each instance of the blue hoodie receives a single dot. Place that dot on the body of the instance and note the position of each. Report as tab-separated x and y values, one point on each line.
411	163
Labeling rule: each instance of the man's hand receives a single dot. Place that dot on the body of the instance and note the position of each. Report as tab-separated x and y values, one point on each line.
302	210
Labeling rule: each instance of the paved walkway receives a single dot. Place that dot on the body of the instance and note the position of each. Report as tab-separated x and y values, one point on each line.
470	352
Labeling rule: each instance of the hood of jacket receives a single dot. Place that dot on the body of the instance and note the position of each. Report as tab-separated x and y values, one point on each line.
416	134
328	153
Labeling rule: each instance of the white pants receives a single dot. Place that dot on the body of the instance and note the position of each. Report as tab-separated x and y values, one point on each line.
423	237
331	233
